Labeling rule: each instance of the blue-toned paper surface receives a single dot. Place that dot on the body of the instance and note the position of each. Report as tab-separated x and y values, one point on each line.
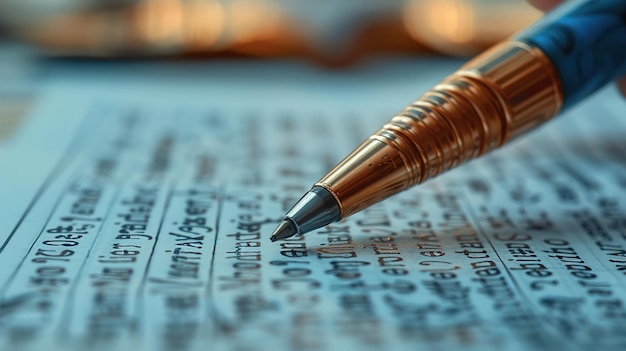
136	206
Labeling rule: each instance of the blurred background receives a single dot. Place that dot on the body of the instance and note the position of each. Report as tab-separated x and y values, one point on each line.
330	30
330	33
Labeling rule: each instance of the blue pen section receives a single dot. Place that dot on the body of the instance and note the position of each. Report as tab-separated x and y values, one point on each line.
586	42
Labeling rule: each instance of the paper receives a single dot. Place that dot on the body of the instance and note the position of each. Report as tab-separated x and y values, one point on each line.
136	216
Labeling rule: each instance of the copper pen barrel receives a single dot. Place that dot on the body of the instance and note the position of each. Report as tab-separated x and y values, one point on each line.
497	96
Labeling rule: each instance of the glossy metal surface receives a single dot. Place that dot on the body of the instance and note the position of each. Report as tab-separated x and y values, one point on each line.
500	94
315	209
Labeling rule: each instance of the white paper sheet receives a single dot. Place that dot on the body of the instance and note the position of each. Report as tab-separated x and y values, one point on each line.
136	205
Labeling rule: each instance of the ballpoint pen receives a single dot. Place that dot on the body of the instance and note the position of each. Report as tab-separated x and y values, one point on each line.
511	88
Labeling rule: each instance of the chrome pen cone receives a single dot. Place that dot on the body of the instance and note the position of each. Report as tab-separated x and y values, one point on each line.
285	229
315	209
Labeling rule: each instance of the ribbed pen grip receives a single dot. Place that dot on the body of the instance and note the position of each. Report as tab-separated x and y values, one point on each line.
500	94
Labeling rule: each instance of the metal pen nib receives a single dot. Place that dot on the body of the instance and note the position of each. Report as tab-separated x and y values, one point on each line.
315	209
285	229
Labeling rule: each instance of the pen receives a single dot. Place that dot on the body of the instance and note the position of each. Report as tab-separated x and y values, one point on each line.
511	88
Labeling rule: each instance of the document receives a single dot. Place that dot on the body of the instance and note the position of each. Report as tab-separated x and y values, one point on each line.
136	204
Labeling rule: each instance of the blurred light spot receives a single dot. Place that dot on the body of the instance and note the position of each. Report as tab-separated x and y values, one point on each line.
252	20
465	27
450	20
204	22
160	21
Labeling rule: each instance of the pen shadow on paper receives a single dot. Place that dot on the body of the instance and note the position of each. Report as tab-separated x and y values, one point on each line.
598	158
608	149
588	162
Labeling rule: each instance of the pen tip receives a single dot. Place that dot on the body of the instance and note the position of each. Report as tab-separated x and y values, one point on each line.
285	229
